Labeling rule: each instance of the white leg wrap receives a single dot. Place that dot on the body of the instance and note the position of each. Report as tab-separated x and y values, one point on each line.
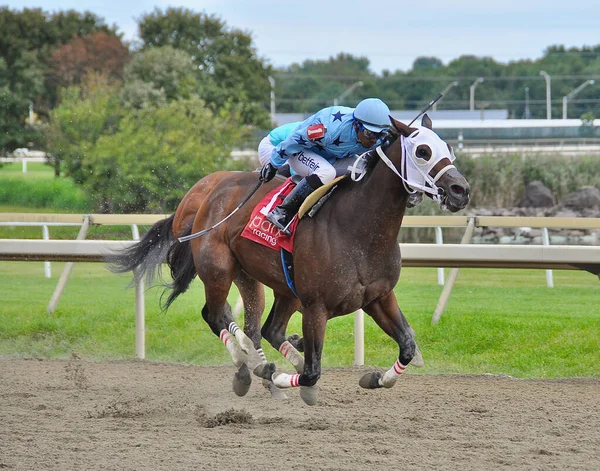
237	355
292	355
391	375
261	354
254	358
284	380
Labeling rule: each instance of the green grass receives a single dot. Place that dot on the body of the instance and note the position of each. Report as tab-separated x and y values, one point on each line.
497	321
34	171
38	188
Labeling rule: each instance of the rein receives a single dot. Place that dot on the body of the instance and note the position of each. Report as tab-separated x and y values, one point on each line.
195	235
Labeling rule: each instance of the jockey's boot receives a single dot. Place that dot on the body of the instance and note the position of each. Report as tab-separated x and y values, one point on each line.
282	215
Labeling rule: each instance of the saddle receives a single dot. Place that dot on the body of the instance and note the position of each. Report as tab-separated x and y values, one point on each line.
317	198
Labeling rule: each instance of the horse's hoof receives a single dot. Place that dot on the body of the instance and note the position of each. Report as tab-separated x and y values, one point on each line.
309	394
265	370
276	393
417	360
370	380
241	381
296	341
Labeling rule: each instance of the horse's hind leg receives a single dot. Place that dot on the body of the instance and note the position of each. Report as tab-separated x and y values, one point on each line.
217	269
275	326
386	313
253	296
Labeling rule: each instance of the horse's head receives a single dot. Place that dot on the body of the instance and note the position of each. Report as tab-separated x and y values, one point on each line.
427	166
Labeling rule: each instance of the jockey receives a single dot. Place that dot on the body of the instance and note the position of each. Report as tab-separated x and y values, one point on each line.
313	146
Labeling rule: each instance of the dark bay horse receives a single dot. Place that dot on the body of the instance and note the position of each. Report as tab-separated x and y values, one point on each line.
346	258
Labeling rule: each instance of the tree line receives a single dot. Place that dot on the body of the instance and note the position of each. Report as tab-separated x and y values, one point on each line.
137	124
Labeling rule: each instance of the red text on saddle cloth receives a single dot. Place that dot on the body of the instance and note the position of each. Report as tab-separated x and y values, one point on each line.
260	230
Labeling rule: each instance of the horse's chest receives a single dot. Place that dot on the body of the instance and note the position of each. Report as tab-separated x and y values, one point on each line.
348	280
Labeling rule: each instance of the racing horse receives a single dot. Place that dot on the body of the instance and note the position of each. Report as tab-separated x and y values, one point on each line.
346	258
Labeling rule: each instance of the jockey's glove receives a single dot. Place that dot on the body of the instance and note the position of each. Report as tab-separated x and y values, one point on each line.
267	172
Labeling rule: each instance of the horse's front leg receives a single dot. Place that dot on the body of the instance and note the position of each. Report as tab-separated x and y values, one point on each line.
314	322
386	313
275	326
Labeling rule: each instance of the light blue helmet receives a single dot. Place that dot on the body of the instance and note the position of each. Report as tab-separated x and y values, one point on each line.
373	114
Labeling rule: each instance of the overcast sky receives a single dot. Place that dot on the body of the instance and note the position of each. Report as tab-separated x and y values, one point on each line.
389	35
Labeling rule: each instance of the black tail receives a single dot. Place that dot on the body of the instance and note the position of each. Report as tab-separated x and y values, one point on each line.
145	258
183	270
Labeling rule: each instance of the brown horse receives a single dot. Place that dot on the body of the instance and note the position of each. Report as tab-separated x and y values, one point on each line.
346	258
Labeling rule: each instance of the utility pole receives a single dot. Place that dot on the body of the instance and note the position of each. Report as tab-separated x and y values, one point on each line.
548	95
472	94
272	82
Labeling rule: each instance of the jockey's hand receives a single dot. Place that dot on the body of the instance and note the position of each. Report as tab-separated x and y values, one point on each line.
267	172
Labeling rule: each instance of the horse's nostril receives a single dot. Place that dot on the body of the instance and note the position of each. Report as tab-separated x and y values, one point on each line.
457	190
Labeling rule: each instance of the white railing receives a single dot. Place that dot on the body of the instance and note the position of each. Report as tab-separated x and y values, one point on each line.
23	160
455	256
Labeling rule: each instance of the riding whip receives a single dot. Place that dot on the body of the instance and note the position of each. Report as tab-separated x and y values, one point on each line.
204	231
429	105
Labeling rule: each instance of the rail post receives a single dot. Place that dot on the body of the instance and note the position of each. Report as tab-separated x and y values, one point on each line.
46	236
64	277
546	241
441	305
359	337
439	240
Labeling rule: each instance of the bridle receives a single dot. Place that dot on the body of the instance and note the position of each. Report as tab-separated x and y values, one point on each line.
415	172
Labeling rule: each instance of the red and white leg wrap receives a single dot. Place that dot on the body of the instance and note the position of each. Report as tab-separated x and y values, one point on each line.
390	376
292	355
284	380
237	356
254	359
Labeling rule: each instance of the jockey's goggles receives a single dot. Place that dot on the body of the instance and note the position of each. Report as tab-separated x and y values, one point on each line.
371	135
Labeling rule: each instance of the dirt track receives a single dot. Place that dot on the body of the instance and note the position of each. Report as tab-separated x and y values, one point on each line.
69	415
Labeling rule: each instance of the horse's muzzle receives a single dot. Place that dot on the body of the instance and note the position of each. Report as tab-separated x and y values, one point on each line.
457	191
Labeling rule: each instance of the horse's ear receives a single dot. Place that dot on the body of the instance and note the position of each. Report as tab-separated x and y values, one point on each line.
402	128
426	122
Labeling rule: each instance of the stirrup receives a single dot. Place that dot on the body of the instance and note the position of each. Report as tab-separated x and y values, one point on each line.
284	229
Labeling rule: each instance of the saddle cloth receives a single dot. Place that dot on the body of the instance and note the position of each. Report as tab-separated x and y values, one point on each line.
260	230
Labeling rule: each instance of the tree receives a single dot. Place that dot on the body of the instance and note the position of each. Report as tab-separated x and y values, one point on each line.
421	63
99	52
87	112
159	75
324	80
18	87
27	39
229	71
158	154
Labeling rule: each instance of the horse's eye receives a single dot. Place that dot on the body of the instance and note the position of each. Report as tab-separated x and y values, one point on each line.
423	152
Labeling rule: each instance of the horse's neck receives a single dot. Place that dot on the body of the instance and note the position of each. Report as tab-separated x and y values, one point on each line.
378	204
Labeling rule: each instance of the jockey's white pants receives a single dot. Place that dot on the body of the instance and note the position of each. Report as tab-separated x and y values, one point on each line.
306	163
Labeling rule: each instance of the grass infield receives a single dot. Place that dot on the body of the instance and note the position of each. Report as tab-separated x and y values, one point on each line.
497	321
